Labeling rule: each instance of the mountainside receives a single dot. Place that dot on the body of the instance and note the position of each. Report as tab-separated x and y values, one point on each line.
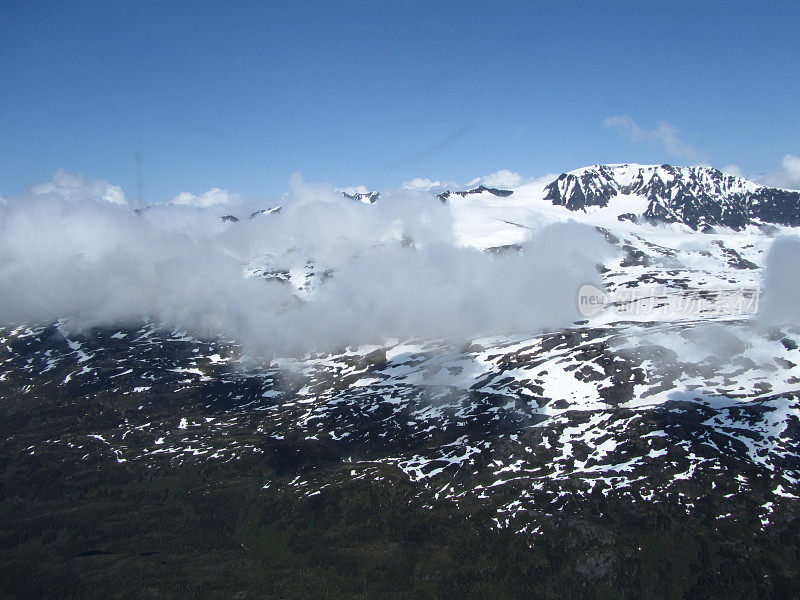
649	449
700	197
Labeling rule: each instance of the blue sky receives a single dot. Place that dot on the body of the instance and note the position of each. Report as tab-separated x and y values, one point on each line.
241	95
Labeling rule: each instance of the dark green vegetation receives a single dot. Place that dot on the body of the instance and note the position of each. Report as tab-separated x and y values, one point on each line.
76	523
107	531
93	528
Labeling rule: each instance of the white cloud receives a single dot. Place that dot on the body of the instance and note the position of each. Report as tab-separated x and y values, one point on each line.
788	176
781	283
103	264
732	170
664	135
421	184
212	197
501	179
78	188
352	190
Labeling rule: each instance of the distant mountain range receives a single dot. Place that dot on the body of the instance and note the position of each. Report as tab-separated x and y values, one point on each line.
700	197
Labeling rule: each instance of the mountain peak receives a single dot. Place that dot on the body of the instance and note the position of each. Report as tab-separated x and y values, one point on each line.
698	196
365	197
478	190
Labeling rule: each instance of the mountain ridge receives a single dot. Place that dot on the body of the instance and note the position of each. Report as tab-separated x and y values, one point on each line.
700	197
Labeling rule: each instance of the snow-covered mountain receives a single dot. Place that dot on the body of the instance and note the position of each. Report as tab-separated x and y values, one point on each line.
670	400
365	197
700	197
478	190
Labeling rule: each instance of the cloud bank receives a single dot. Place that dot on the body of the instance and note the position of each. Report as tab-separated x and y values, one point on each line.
392	270
781	282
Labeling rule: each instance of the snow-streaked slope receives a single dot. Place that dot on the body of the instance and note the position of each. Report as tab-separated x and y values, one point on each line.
700	197
639	406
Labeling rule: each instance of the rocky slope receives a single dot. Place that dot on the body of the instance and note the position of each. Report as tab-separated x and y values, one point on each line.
700	197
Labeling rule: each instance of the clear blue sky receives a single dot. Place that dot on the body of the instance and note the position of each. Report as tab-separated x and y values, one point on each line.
239	95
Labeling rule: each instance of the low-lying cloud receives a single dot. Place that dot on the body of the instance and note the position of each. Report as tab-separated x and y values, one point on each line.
780	302
391	270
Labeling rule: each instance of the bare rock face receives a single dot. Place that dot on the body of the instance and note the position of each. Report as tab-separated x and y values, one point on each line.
700	197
